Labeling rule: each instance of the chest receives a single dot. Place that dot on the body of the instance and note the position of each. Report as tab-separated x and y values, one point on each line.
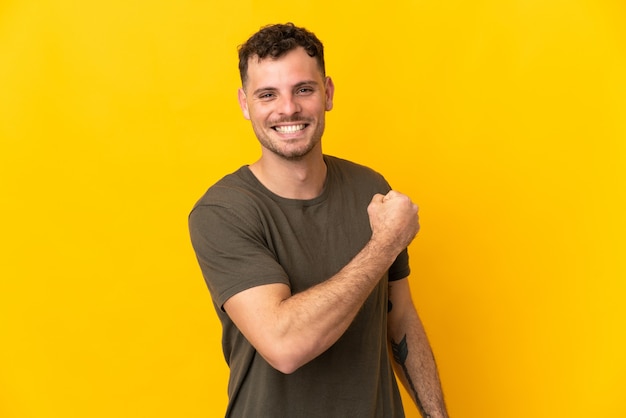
312	243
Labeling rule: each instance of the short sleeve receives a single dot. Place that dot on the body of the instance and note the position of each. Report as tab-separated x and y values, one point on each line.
400	268
231	251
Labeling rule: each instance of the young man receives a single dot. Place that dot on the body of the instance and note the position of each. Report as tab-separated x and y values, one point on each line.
305	258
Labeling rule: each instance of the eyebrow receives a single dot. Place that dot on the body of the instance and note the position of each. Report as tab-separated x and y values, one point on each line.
297	85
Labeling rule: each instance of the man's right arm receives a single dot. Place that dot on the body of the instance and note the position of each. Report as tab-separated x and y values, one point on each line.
291	330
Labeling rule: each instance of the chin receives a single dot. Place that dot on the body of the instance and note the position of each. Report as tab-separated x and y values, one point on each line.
295	155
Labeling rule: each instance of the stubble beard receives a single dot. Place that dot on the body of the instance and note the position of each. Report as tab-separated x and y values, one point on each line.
288	153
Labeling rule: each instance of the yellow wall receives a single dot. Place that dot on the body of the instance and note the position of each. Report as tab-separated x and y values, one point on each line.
505	120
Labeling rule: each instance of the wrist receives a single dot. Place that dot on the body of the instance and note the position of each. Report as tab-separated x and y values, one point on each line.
384	252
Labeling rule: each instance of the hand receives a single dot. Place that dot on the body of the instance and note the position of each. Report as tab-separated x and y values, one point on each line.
394	220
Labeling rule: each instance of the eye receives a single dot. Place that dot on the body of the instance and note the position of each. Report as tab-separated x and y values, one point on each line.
305	90
265	94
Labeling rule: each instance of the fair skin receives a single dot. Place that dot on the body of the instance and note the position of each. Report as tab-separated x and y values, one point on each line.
418	373
286	99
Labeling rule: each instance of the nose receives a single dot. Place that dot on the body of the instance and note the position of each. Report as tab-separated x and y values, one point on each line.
288	105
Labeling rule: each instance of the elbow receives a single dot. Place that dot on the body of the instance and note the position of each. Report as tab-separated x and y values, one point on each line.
285	359
285	367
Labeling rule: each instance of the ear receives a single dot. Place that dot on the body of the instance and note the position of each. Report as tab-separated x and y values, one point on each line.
330	92
243	103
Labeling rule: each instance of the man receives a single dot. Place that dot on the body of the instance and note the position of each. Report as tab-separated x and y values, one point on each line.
305	257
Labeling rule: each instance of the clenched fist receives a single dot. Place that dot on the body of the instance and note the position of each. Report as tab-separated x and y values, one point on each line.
394	220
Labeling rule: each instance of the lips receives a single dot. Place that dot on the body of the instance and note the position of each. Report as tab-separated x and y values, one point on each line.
289	129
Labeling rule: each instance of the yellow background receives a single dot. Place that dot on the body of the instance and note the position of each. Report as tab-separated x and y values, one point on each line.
505	120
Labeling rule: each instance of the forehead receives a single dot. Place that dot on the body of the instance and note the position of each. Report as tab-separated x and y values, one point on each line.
289	69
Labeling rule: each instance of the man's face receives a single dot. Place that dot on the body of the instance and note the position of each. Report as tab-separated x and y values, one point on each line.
286	100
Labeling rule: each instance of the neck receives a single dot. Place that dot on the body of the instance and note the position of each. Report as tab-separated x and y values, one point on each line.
292	179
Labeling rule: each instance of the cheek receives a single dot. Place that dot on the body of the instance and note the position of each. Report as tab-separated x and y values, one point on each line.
258	113
258	119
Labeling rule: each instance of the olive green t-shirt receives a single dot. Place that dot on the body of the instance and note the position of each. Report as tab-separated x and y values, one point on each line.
244	236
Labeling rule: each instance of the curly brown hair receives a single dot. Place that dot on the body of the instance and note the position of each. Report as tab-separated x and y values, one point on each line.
276	40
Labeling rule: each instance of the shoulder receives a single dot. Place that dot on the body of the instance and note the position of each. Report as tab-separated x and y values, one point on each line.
355	173
235	199
233	190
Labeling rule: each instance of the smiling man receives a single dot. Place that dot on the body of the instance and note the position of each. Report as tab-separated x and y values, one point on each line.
286	101
305	257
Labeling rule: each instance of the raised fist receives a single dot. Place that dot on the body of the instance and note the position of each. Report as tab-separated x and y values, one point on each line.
394	220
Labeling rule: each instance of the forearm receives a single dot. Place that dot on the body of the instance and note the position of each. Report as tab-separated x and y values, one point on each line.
291	330
310	322
415	366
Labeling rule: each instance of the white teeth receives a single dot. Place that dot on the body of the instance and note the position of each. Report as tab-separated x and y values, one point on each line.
288	129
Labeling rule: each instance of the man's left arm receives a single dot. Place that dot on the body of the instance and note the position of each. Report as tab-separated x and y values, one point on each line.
413	359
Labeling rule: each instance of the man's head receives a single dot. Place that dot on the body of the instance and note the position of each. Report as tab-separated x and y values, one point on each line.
285	92
274	41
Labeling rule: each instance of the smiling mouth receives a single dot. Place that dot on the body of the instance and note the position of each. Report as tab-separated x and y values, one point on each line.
289	129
